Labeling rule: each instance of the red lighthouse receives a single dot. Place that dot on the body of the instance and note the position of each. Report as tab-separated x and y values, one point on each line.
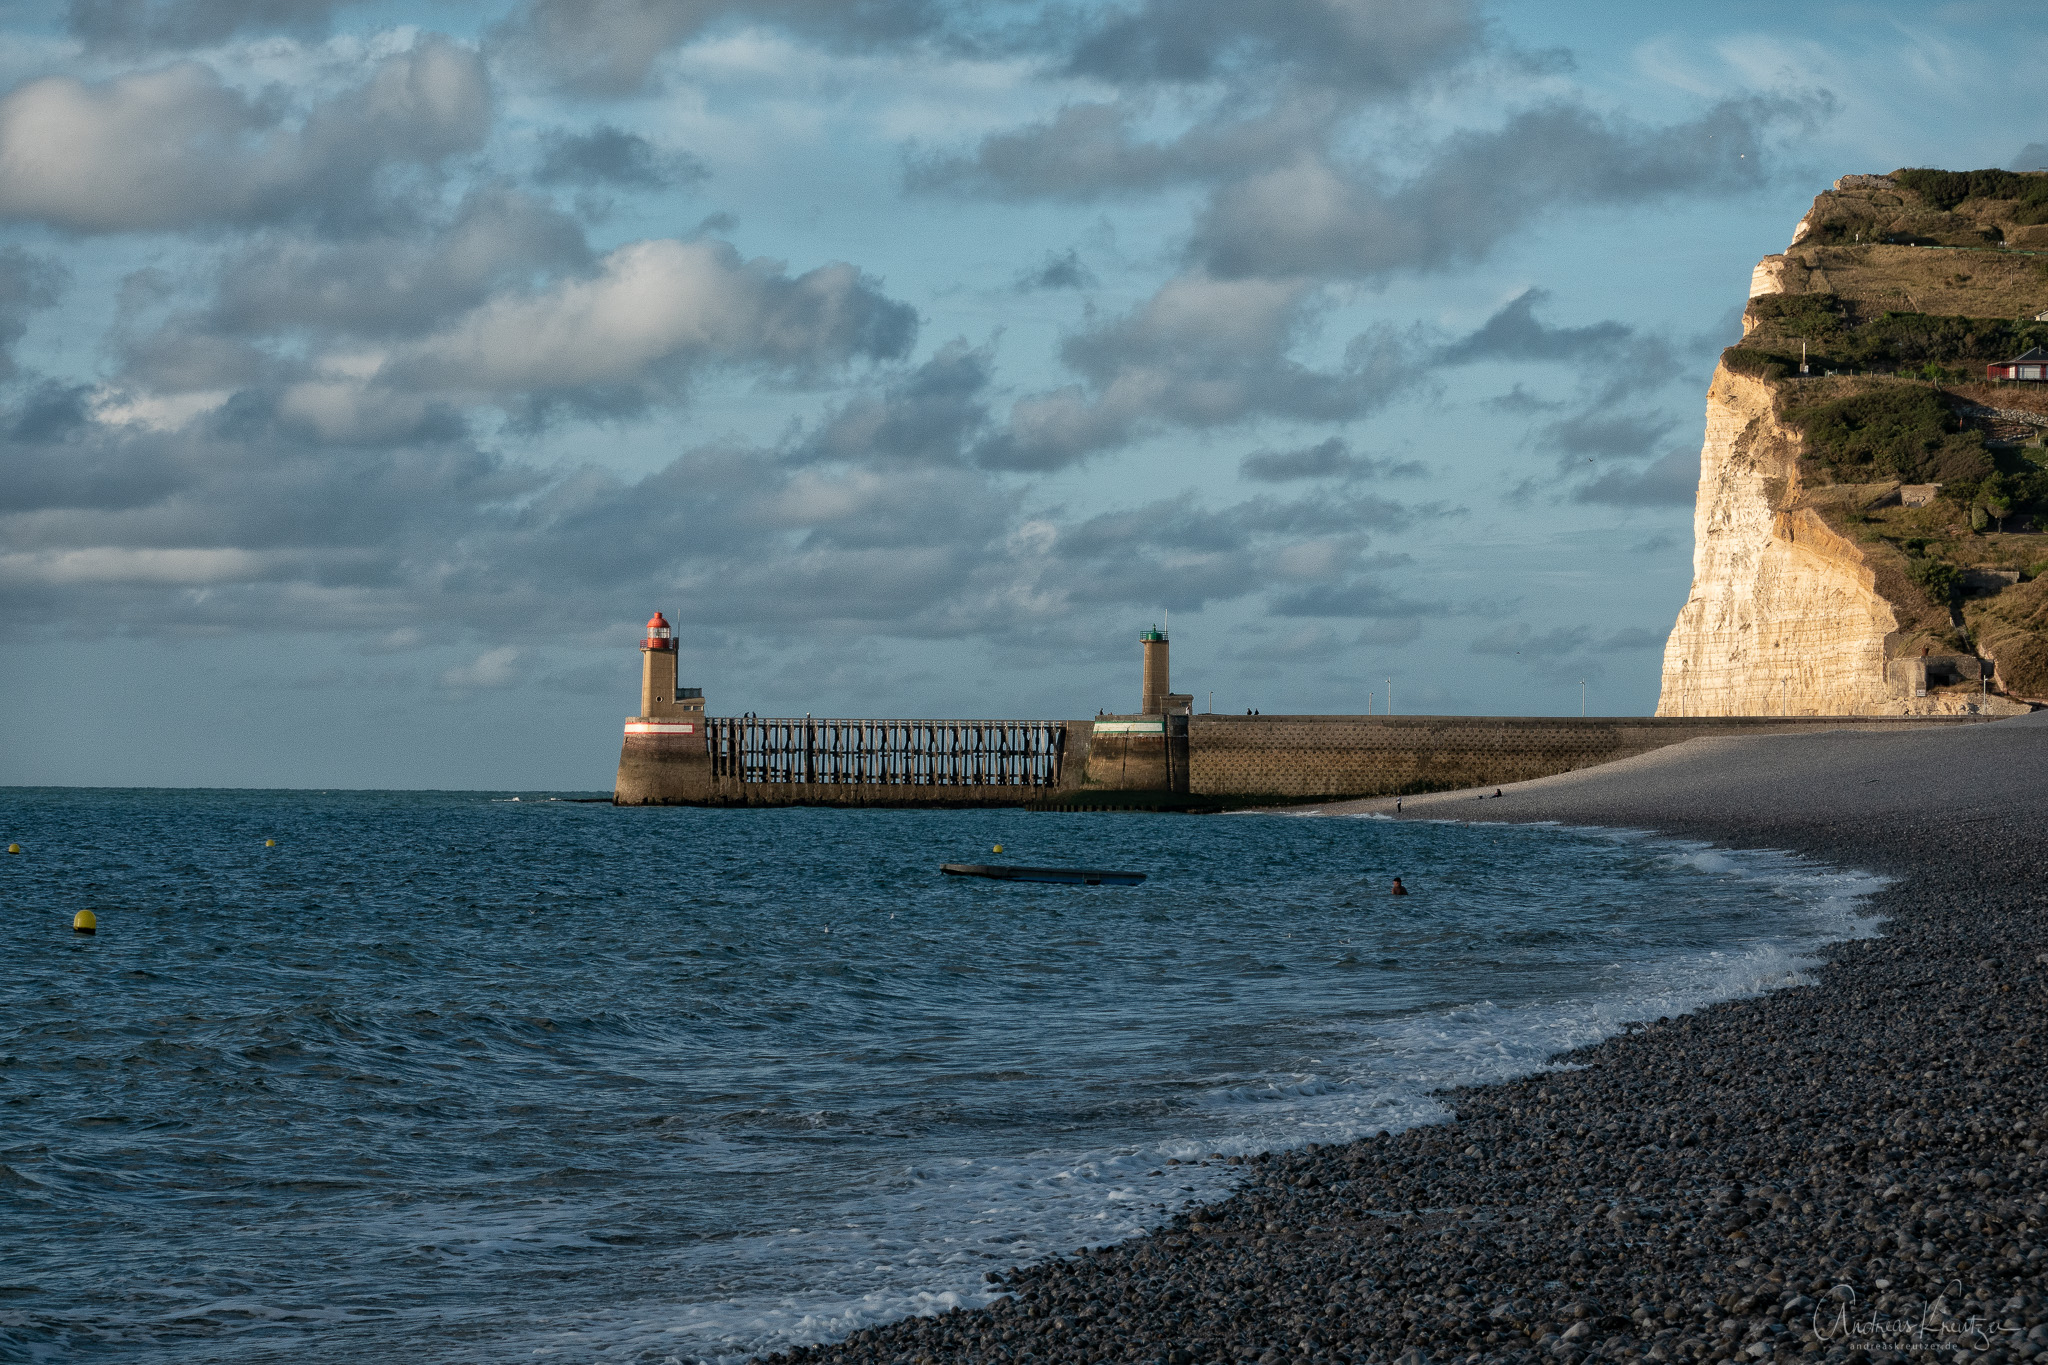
664	758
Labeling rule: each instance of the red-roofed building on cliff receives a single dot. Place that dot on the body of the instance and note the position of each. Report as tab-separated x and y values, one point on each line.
2032	365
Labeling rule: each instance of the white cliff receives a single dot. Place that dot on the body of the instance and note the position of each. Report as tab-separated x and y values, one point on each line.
1784	617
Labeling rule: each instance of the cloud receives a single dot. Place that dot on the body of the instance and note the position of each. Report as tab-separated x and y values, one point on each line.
1631	638
1370	48
1392	630
174	148
1059	270
1672	481
491	669
871	522
612	156
390	338
1199	353
929	417
608	48
389	284
28	283
1330	459
229	522
1565	653
651	313
1181	554
1514	333
1519	402
1092	151
1600	434
1357	598
1315	216
150	24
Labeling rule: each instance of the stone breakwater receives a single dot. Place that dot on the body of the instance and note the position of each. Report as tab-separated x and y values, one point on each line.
1848	1171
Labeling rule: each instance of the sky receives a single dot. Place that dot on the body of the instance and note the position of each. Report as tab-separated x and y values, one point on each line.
369	372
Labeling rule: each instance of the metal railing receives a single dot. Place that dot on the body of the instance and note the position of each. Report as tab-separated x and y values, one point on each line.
910	753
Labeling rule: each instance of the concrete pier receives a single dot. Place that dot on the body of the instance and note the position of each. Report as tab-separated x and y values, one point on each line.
1161	757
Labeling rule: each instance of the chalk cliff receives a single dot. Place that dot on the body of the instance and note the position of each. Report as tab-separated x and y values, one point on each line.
1803	601
1784	617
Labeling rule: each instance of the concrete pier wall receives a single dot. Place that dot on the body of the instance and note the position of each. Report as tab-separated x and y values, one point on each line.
1318	756
1254	757
665	766
1146	752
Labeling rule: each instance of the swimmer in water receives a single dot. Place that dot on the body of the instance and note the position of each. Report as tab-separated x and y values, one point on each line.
1399	890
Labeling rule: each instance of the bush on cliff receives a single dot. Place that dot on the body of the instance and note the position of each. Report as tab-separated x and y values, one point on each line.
1913	339
1946	189
1891	340
1808	317
1943	581
1761	364
1896	432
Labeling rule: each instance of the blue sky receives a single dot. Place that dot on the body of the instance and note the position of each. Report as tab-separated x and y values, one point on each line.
371	371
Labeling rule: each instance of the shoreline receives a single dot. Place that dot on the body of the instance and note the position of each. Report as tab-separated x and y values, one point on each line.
1847	1169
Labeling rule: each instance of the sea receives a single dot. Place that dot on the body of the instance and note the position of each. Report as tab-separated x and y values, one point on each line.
470	1077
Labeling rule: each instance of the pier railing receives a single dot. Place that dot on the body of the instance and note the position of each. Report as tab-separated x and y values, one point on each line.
911	753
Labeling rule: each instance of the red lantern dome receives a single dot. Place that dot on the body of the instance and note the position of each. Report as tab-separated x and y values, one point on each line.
658	636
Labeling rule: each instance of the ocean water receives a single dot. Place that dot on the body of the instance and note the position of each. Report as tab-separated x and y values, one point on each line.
456	1077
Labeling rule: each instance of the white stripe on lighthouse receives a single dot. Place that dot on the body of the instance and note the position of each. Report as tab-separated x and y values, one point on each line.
660	727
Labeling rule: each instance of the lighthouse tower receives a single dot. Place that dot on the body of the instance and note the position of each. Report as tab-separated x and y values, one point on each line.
665	758
657	666
1156	695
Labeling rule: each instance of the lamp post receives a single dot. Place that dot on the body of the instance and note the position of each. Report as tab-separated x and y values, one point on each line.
1582	698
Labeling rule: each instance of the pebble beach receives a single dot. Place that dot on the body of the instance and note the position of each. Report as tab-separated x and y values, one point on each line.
1844	1170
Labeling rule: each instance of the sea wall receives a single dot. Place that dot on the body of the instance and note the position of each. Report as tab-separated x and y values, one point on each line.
1138	753
1259	758
662	764
1319	756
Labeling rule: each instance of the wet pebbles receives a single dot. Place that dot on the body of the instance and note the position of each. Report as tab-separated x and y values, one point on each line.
1848	1171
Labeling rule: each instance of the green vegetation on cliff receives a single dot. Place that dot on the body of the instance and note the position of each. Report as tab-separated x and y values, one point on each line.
1906	432
1947	189
1932	208
1840	336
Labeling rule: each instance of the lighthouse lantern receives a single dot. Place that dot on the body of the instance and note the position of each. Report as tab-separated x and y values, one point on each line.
658	635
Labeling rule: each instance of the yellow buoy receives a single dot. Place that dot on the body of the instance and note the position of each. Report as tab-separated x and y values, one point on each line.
999	848
14	848
270	843
84	923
